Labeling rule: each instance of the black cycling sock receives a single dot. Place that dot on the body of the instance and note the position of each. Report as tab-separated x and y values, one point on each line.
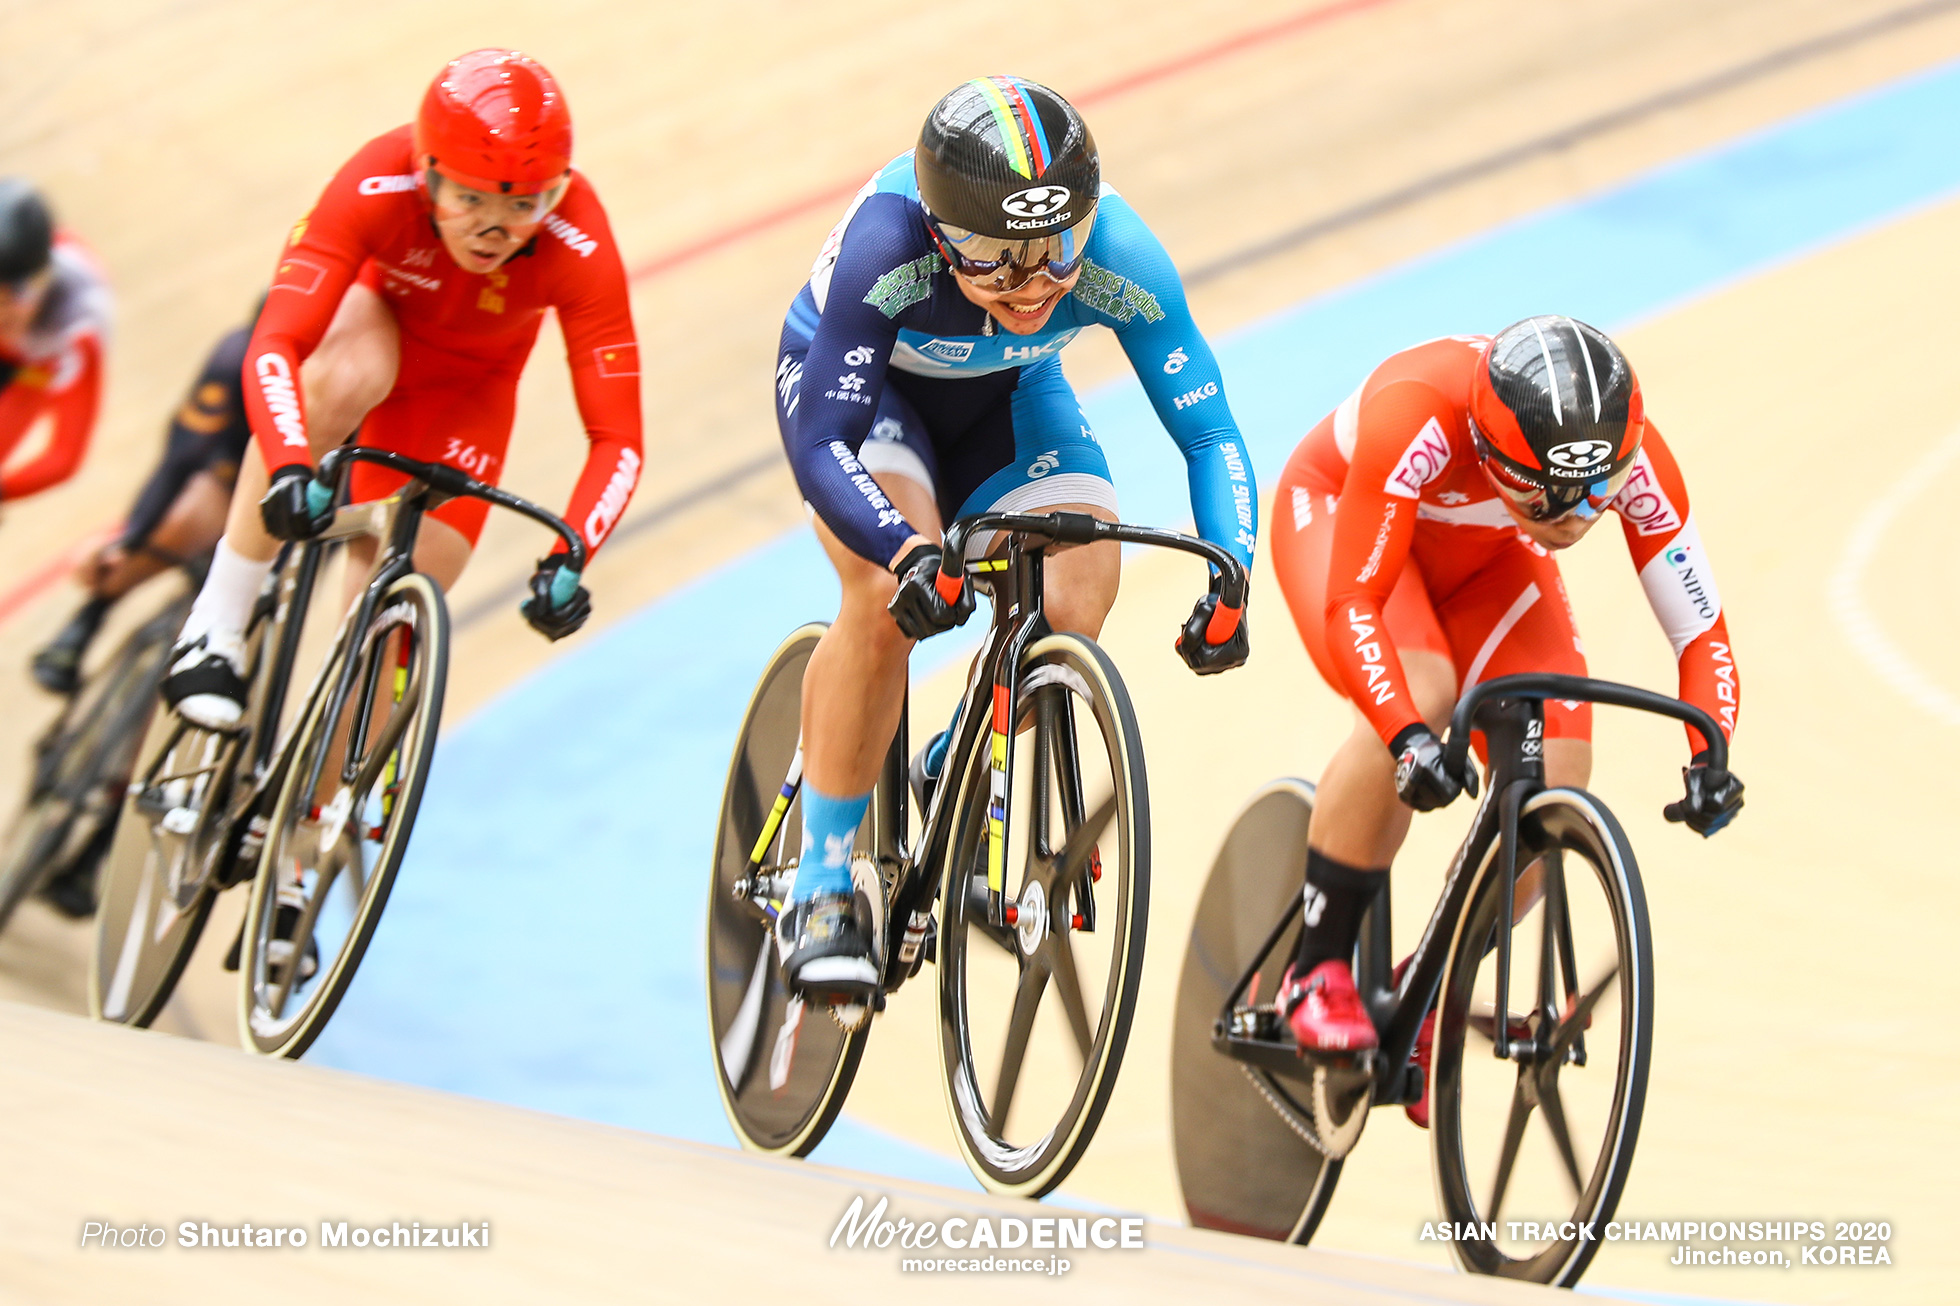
81	627
1336	896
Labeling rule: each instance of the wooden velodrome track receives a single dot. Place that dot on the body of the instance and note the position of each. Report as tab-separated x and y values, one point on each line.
1795	1077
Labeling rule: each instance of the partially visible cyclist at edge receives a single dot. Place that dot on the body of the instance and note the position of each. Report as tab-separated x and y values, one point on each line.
178	514
919	380
1418	530
405	304
55	308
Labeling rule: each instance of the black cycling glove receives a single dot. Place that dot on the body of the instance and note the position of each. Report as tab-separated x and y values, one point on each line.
1421	780
558	604
1713	798
1211	640
295	506
920	607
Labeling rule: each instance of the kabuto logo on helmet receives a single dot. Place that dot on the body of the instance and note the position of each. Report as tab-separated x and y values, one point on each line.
1579	455
1036	201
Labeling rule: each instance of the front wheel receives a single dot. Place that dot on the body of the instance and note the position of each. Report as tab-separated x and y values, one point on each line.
337	833
1035	1013
1543	1140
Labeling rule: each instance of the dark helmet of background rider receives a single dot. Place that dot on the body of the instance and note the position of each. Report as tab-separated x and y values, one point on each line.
1556	405
1007	157
26	230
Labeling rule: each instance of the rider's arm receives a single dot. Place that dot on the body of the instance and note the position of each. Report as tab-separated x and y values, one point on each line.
1136	285
68	391
603	352
214	410
1680	584
323	253
878	262
1374	529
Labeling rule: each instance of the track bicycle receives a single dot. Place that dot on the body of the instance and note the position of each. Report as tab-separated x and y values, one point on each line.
82	763
1029	877
314	806
1261	1131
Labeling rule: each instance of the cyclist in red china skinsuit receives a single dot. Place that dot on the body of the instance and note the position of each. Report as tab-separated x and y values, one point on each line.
405	305
1415	533
54	326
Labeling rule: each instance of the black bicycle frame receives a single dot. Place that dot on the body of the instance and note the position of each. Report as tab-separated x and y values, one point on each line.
1018	621
1509	711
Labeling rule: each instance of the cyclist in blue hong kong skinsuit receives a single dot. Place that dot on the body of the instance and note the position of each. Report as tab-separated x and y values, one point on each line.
920	380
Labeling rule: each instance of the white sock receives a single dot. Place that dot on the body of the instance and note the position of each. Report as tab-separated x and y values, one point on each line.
224	605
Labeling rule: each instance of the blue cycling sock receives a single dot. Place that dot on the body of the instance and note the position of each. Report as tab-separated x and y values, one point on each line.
936	749
829	828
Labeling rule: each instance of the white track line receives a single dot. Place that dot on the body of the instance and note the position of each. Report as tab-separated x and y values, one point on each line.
1847	601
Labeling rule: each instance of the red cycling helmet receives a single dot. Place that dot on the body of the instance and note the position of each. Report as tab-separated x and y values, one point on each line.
1557	416
495	121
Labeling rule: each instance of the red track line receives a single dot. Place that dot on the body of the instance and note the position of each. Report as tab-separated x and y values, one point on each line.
52	571
1143	77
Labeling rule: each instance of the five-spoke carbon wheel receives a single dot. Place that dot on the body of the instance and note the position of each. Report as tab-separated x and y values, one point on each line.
1035	1012
336	835
1542	1141
784	1067
1244	1139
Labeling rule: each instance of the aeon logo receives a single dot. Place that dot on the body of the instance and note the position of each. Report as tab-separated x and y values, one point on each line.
1036	201
1579	454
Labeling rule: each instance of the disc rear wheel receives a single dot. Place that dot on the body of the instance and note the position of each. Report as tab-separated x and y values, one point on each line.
783	1066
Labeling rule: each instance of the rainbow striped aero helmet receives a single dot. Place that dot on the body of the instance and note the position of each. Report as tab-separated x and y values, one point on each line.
1009	177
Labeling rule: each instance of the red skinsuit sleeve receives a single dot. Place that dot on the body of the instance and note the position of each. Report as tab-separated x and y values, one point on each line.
70	394
323	254
1373	531
1666	547
603	353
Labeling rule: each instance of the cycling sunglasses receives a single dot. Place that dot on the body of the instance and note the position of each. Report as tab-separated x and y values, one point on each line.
996	265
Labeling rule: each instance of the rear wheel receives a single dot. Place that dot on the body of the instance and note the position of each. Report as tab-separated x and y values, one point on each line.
1245	1145
1035	1015
337	833
783	1067
1580	1019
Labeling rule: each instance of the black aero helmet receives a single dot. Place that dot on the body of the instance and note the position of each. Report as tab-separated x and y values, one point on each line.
1557	415
26	230
1009	177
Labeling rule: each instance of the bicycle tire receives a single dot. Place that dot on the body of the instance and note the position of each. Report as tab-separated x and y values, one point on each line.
145	931
1555	826
266	1024
1060	671
69	814
1246	1162
787	1110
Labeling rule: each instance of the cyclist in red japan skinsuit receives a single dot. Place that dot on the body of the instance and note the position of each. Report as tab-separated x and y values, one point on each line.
1415	532
405	305
54	325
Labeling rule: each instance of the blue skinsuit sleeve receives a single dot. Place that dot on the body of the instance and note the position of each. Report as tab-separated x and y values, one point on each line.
1179	374
844	375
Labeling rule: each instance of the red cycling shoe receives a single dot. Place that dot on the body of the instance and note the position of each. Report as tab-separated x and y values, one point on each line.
1323	1010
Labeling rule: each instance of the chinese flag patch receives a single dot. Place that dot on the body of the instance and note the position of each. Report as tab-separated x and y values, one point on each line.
618	360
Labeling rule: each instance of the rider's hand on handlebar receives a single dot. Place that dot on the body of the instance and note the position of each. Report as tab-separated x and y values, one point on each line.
1713	798
1421	779
296	507
1213	639
920	607
558	604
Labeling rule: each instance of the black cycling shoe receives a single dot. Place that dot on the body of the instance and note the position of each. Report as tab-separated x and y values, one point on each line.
57	668
825	949
204	685
72	893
